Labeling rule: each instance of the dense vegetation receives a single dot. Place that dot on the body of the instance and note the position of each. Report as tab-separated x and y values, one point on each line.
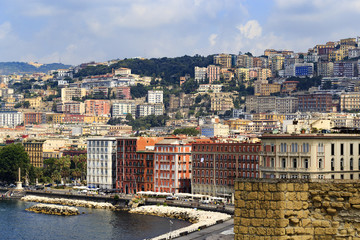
186	131
169	69
13	157
22	67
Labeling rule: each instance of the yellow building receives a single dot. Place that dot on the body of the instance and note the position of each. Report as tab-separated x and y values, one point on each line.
57	118
335	55
277	63
269	116
34	149
263	88
264	73
238	124
224	60
96	119
243	74
221	102
34	102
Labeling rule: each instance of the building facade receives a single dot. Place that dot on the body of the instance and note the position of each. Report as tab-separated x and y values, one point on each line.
97	107
35	151
217	164
316	156
34	118
172	166
101	162
315	102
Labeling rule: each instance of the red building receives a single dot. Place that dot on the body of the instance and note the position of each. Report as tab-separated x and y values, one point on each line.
122	92
315	103
217	163
172	166
97	107
34	118
135	163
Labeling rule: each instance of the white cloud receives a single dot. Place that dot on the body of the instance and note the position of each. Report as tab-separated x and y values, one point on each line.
5	29
251	29
212	39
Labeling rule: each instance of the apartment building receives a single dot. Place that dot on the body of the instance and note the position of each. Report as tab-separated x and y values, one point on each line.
350	101
325	69
315	102
146	109
224	60
135	164
34	118
213	73
71	107
172	166
101	162
315	156
10	118
264	88
216	165
257	104
200	74
67	94
121	108
35	151
155	96
344	69
221	102
97	107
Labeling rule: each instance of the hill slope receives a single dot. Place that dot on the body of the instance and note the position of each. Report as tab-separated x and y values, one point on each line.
22	67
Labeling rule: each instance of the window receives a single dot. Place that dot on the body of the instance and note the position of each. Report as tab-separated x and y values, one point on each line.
332	149
351	163
342	176
351	176
351	149
341	149
294	163
320	163
306	163
305	147
341	164
321	147
332	164
272	163
294	147
282	175
332	176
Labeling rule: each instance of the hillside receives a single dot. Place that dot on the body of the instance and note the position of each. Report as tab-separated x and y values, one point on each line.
169	69
22	67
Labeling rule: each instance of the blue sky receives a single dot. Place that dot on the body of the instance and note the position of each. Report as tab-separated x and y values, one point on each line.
76	31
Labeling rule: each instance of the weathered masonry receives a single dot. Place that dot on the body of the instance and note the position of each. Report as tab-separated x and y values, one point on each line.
281	209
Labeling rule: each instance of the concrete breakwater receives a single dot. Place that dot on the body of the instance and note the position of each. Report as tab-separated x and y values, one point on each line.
53	209
200	219
69	202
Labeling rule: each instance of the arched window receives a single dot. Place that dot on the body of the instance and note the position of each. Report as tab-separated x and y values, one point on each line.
332	164
320	163
341	164
351	163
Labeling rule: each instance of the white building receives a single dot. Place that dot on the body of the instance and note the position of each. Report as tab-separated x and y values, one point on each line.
101	162
67	94
123	107
143	110
316	156
155	96
215	88
10	118
200	74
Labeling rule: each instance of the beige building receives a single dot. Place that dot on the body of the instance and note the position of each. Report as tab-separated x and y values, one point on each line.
34	102
316	156
264	88
221	102
224	60
67	94
350	101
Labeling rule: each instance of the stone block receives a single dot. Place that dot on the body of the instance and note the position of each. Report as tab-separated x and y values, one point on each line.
281	223
281	187
279	232
354	200
337	204
248	187
290	187
305	222
279	196
253	196
291	196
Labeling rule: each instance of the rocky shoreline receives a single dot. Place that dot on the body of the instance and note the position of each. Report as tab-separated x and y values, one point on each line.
200	219
69	202
53	209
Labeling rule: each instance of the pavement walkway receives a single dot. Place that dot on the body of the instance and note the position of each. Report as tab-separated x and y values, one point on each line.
222	231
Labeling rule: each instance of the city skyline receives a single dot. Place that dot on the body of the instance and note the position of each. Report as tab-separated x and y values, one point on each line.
75	32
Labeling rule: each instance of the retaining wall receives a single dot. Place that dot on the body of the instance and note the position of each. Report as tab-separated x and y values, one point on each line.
279	209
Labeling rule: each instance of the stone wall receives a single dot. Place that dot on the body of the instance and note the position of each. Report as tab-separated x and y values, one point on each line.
297	209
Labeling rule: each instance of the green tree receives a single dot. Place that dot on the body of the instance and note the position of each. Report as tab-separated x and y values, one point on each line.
129	117
26	104
13	157
186	131
178	115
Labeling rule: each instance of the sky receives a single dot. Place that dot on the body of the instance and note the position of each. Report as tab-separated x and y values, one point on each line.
78	31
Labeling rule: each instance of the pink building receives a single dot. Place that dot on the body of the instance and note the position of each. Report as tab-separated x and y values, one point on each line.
122	92
213	73
97	107
172	166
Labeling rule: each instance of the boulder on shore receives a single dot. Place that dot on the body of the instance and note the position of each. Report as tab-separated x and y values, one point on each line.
53	209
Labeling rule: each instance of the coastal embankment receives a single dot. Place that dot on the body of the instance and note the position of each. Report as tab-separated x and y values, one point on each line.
200	219
53	209
69	202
